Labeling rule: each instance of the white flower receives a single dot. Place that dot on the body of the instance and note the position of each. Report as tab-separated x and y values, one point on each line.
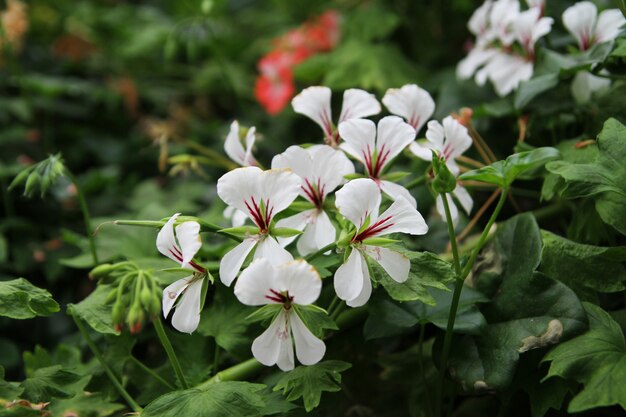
234	148
411	102
181	248
529	27
289	285
589	29
585	84
314	102
359	202
260	195
322	170
449	141
479	21
376	148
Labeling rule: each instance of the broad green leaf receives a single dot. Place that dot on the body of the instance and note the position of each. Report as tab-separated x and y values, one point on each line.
389	318
51	382
503	173
583	266
528	309
85	404
19	299
597	359
326	265
427	271
8	390
95	311
224	399
225	320
308	382
602	180
530	89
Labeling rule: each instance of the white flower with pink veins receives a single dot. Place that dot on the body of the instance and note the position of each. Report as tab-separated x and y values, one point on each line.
322	169
589	28
376	147
449	142
261	195
314	102
181	246
359	202
412	103
288	285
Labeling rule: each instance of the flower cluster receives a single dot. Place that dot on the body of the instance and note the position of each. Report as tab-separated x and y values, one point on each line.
274	86
313	197
504	51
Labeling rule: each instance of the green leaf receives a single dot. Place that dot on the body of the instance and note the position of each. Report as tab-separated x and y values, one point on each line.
19	299
528	309
8	390
503	173
308	382
597	359
85	404
583	266
51	382
267	312
95	311
530	89
603	180
427	271
224	399
285	232
316	319
388	317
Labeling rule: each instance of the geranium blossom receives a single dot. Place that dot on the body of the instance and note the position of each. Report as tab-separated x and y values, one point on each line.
322	170
260	195
359	202
376	148
504	52
449	142
589	28
411	102
275	87
314	102
181	246
289	285
234	148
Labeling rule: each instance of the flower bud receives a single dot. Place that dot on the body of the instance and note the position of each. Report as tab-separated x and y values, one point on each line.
445	181
101	271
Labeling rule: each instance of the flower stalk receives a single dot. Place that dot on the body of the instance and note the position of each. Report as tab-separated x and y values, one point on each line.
167	345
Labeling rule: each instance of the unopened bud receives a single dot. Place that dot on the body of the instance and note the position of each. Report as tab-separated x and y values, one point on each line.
444	181
101	271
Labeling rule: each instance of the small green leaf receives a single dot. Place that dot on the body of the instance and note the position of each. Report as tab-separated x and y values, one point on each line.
241	230
530	89
51	382
380	241
94	310
8	390
267	312
19	299
224	399
395	176
354	176
316	319
308	382
85	404
285	232
597	359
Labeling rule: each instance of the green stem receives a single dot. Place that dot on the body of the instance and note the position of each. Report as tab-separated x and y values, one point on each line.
451	232
83	331
87	218
150	372
322	251
335	314
165	341
216	358
333	304
416	182
216	157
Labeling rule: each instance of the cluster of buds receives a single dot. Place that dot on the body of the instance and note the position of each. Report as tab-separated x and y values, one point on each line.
40	176
274	86
135	294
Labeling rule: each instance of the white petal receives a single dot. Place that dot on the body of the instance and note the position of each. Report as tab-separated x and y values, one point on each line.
393	136
274	344
187	313
394	263
394	191
269	249
279	187
330	166
411	102
314	102
476	58
464	198
457	140
319	233
358	199
232	261
240	185
454	212
309	349
296	158
249	159
366	289
188	234
358	104
421	149
580	20
301	280
479	21
232	145
297	222
585	84
348	280
359	137
255	283
506	71
172	292
610	23
166	242
435	135
404	218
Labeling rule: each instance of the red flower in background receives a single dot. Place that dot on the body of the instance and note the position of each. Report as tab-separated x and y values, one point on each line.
274	86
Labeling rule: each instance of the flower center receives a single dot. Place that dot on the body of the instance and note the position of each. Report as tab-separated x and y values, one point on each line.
176	253
314	192
280	297
261	213
375	229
